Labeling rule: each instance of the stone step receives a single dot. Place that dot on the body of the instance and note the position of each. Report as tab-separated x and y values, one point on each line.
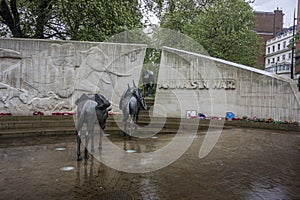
31	122
53	125
37	132
14	126
170	127
117	121
72	130
35	124
149	101
35	117
159	122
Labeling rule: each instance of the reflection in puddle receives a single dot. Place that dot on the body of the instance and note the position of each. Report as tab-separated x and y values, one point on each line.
131	151
265	190
60	148
67	168
147	183
267	171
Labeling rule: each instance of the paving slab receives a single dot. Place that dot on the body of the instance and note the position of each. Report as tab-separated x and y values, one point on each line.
244	164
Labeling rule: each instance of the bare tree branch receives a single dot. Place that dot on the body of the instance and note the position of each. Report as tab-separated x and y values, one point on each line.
8	18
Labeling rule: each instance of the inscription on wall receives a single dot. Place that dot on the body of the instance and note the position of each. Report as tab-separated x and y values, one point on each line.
200	84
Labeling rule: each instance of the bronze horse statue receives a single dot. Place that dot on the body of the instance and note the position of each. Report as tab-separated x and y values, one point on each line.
148	82
91	109
131	102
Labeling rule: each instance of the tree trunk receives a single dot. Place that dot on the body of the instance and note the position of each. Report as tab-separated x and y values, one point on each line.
11	17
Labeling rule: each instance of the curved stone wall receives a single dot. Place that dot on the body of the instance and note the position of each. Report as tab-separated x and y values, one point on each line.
193	82
49	75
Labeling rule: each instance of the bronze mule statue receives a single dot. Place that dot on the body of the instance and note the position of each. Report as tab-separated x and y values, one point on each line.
91	109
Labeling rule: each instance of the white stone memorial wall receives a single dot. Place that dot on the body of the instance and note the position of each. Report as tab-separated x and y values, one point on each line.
193	82
49	75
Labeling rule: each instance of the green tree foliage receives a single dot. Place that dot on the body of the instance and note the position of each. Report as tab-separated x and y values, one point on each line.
92	20
222	27
97	20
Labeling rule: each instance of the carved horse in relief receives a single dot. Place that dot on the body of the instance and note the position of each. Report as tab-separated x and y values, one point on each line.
91	109
131	102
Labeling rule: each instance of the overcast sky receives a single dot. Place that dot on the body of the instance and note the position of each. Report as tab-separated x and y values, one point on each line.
287	6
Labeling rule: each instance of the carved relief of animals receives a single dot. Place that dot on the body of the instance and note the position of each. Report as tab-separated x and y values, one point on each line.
44	103
10	93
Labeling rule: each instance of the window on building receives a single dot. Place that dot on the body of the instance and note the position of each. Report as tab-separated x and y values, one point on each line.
283	57
278	46
269	61
284	44
269	50
273	48
290	55
273	60
278	58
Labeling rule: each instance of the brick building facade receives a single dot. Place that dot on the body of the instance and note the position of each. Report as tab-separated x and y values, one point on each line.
267	25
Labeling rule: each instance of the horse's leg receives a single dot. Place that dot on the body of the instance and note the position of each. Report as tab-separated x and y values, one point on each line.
100	139
78	147
137	117
78	131
144	86
91	133
150	89
131	122
86	153
125	117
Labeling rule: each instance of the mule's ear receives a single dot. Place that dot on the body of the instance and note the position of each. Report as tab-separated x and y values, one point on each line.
81	98
133	83
128	86
102	97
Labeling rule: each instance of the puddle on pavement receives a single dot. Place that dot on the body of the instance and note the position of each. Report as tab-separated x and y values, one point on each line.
67	168
60	148
130	151
135	144
267	170
266	191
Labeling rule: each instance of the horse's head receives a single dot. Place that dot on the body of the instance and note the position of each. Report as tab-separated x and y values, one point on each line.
102	109
102	116
137	92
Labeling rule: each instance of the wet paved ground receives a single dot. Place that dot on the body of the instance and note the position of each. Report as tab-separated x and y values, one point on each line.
244	164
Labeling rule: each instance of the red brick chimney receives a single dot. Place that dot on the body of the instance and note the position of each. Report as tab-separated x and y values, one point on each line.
278	21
